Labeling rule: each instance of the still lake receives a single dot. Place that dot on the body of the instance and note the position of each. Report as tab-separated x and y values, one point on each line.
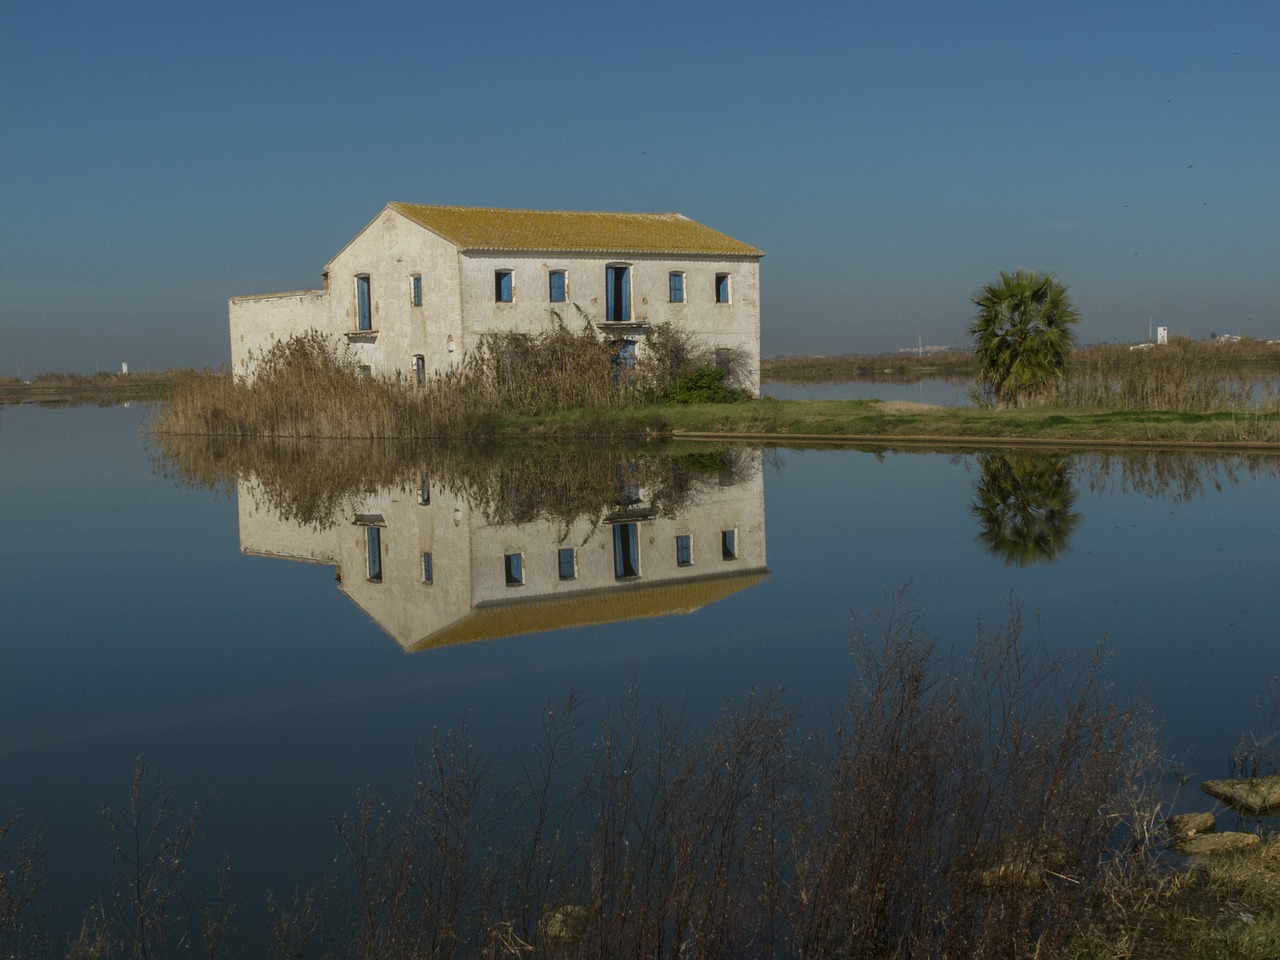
147	618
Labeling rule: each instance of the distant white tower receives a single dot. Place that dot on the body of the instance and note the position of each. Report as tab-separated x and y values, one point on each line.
1162	334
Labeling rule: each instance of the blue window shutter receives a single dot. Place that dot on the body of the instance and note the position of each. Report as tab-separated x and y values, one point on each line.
626	550
626	294
374	537
363	304
514	569
417	290
557	286
503	286
676	294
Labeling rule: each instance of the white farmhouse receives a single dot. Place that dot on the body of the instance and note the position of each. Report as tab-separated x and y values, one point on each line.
420	285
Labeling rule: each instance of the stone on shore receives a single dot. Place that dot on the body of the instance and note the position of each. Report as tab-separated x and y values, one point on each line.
1252	795
1189	824
1214	844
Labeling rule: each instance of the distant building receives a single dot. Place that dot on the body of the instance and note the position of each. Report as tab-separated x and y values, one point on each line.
420	285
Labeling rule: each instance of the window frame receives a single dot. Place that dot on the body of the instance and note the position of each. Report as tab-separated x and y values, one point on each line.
428	568
729	544
564	286
415	289
364	303
570	554
617	293
684	550
675	286
723	289
513	568
373	553
626	550
504	286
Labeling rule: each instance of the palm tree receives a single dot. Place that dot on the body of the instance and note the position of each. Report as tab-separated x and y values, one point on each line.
1023	335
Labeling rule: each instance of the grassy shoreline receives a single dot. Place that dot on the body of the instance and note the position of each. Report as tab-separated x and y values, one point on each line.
859	421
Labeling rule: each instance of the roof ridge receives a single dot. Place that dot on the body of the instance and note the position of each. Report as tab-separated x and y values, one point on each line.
601	213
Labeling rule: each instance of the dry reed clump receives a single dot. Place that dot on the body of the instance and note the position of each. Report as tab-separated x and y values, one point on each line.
1185	375
316	482
310	386
981	805
304	387
308	482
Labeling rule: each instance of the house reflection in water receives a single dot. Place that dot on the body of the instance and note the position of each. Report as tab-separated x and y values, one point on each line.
429	567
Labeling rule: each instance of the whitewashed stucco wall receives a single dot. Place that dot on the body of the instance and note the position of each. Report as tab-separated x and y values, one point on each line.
459	305
735	325
258	322
390	251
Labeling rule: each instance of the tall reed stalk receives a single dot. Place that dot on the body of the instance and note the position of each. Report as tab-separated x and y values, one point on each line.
983	804
310	386
1181	375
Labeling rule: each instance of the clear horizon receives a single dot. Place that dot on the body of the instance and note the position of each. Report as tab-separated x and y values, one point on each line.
889	159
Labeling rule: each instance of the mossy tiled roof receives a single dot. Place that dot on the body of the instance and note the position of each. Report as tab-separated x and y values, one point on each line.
630	602
567	231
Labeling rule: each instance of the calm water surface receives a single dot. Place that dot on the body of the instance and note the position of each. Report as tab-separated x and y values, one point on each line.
135	626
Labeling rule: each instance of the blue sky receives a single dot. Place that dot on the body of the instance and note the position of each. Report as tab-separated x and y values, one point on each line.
888	157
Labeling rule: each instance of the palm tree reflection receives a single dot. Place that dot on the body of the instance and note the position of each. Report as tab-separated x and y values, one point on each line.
1024	504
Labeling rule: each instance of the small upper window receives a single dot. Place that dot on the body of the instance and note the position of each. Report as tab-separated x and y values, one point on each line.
558	287
722	288
502	286
364	303
415	290
428	569
373	542
675	287
568	563
684	550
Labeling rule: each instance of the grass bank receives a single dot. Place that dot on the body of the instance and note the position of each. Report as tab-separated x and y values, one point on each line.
864	420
